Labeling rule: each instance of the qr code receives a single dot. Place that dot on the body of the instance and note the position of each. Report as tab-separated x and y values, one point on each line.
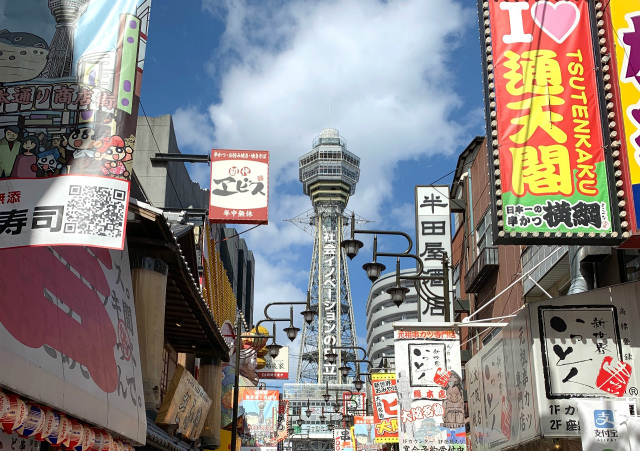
95	210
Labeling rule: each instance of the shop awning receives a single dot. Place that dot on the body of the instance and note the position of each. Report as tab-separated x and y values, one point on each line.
189	324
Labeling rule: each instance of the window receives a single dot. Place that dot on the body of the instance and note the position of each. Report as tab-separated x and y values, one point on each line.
484	236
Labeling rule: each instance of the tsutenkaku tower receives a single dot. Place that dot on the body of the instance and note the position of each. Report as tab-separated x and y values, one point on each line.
329	173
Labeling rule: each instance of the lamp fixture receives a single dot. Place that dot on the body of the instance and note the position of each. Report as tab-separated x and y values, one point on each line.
373	269
358	383
351	247
292	331
300	421
331	356
307	313
274	349
344	370
398	294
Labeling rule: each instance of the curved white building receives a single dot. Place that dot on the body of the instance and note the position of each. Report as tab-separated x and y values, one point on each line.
382	313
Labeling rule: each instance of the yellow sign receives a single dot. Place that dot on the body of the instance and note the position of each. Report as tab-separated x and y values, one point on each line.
186	404
625	17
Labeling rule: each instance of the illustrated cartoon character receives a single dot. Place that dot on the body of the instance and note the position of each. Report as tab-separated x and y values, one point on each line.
22	56
47	163
82	145
115	152
9	149
26	160
453	405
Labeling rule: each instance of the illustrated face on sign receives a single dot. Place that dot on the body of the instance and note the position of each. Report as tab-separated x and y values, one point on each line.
22	56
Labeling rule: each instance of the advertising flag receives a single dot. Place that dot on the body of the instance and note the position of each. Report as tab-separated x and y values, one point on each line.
385	407
553	171
429	387
363	433
239	186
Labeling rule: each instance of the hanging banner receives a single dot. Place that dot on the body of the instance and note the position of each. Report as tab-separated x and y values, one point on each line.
604	425
239	186
353	402
261	420
429	386
433	232
552	180
67	294
71	209
70	86
276	368
385	407
363	433
623	28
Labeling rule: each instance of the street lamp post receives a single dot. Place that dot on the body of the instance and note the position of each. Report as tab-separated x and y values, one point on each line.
398	293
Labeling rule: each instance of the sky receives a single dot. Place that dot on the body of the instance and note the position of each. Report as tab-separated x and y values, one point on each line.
400	80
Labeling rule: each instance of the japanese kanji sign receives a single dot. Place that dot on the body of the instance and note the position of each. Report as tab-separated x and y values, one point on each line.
342	440
185	404
261	417
74	333
622	20
429	387
551	177
553	355
385	407
277	368
70	209
69	89
433	239
239	186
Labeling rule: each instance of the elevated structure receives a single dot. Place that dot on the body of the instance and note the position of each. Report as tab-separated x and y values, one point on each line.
329	173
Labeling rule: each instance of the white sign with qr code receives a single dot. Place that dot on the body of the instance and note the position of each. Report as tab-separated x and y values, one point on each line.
81	210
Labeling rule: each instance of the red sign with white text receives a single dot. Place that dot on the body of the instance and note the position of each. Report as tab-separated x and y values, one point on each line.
550	143
239	186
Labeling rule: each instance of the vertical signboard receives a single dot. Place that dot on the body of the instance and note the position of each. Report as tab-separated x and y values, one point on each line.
239	186
342	440
261	419
70	86
385	407
429	386
604	425
433	239
329	294
623	27
552	168
50	347
276	368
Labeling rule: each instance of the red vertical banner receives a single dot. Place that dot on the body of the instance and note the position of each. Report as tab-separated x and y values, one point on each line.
385	407
553	168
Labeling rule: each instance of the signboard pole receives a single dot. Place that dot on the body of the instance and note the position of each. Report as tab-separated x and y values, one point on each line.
236	389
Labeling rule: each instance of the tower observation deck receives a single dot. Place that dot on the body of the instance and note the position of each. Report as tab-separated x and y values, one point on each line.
329	173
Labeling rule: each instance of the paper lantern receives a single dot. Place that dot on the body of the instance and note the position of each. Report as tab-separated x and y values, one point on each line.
60	434
98	440
51	423
34	422
76	435
15	416
4	404
88	440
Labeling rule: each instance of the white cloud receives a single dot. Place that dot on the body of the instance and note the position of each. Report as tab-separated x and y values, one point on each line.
376	71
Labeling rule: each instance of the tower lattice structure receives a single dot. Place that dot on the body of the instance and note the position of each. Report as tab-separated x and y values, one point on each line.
329	173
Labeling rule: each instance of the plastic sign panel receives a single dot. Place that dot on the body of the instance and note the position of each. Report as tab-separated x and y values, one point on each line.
342	440
71	209
261	419
70	86
49	346
622	21
429	386
433	232
553	355
604	425
239	186
353	402
385	407
277	368
551	177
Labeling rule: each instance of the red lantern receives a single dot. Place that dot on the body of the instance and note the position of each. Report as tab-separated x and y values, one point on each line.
51	423
15	416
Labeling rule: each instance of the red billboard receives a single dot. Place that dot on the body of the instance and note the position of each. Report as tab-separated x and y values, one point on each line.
239	186
553	170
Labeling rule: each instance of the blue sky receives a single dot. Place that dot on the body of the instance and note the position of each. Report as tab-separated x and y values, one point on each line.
400	79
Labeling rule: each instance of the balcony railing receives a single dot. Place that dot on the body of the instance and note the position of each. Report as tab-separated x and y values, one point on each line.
481	269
